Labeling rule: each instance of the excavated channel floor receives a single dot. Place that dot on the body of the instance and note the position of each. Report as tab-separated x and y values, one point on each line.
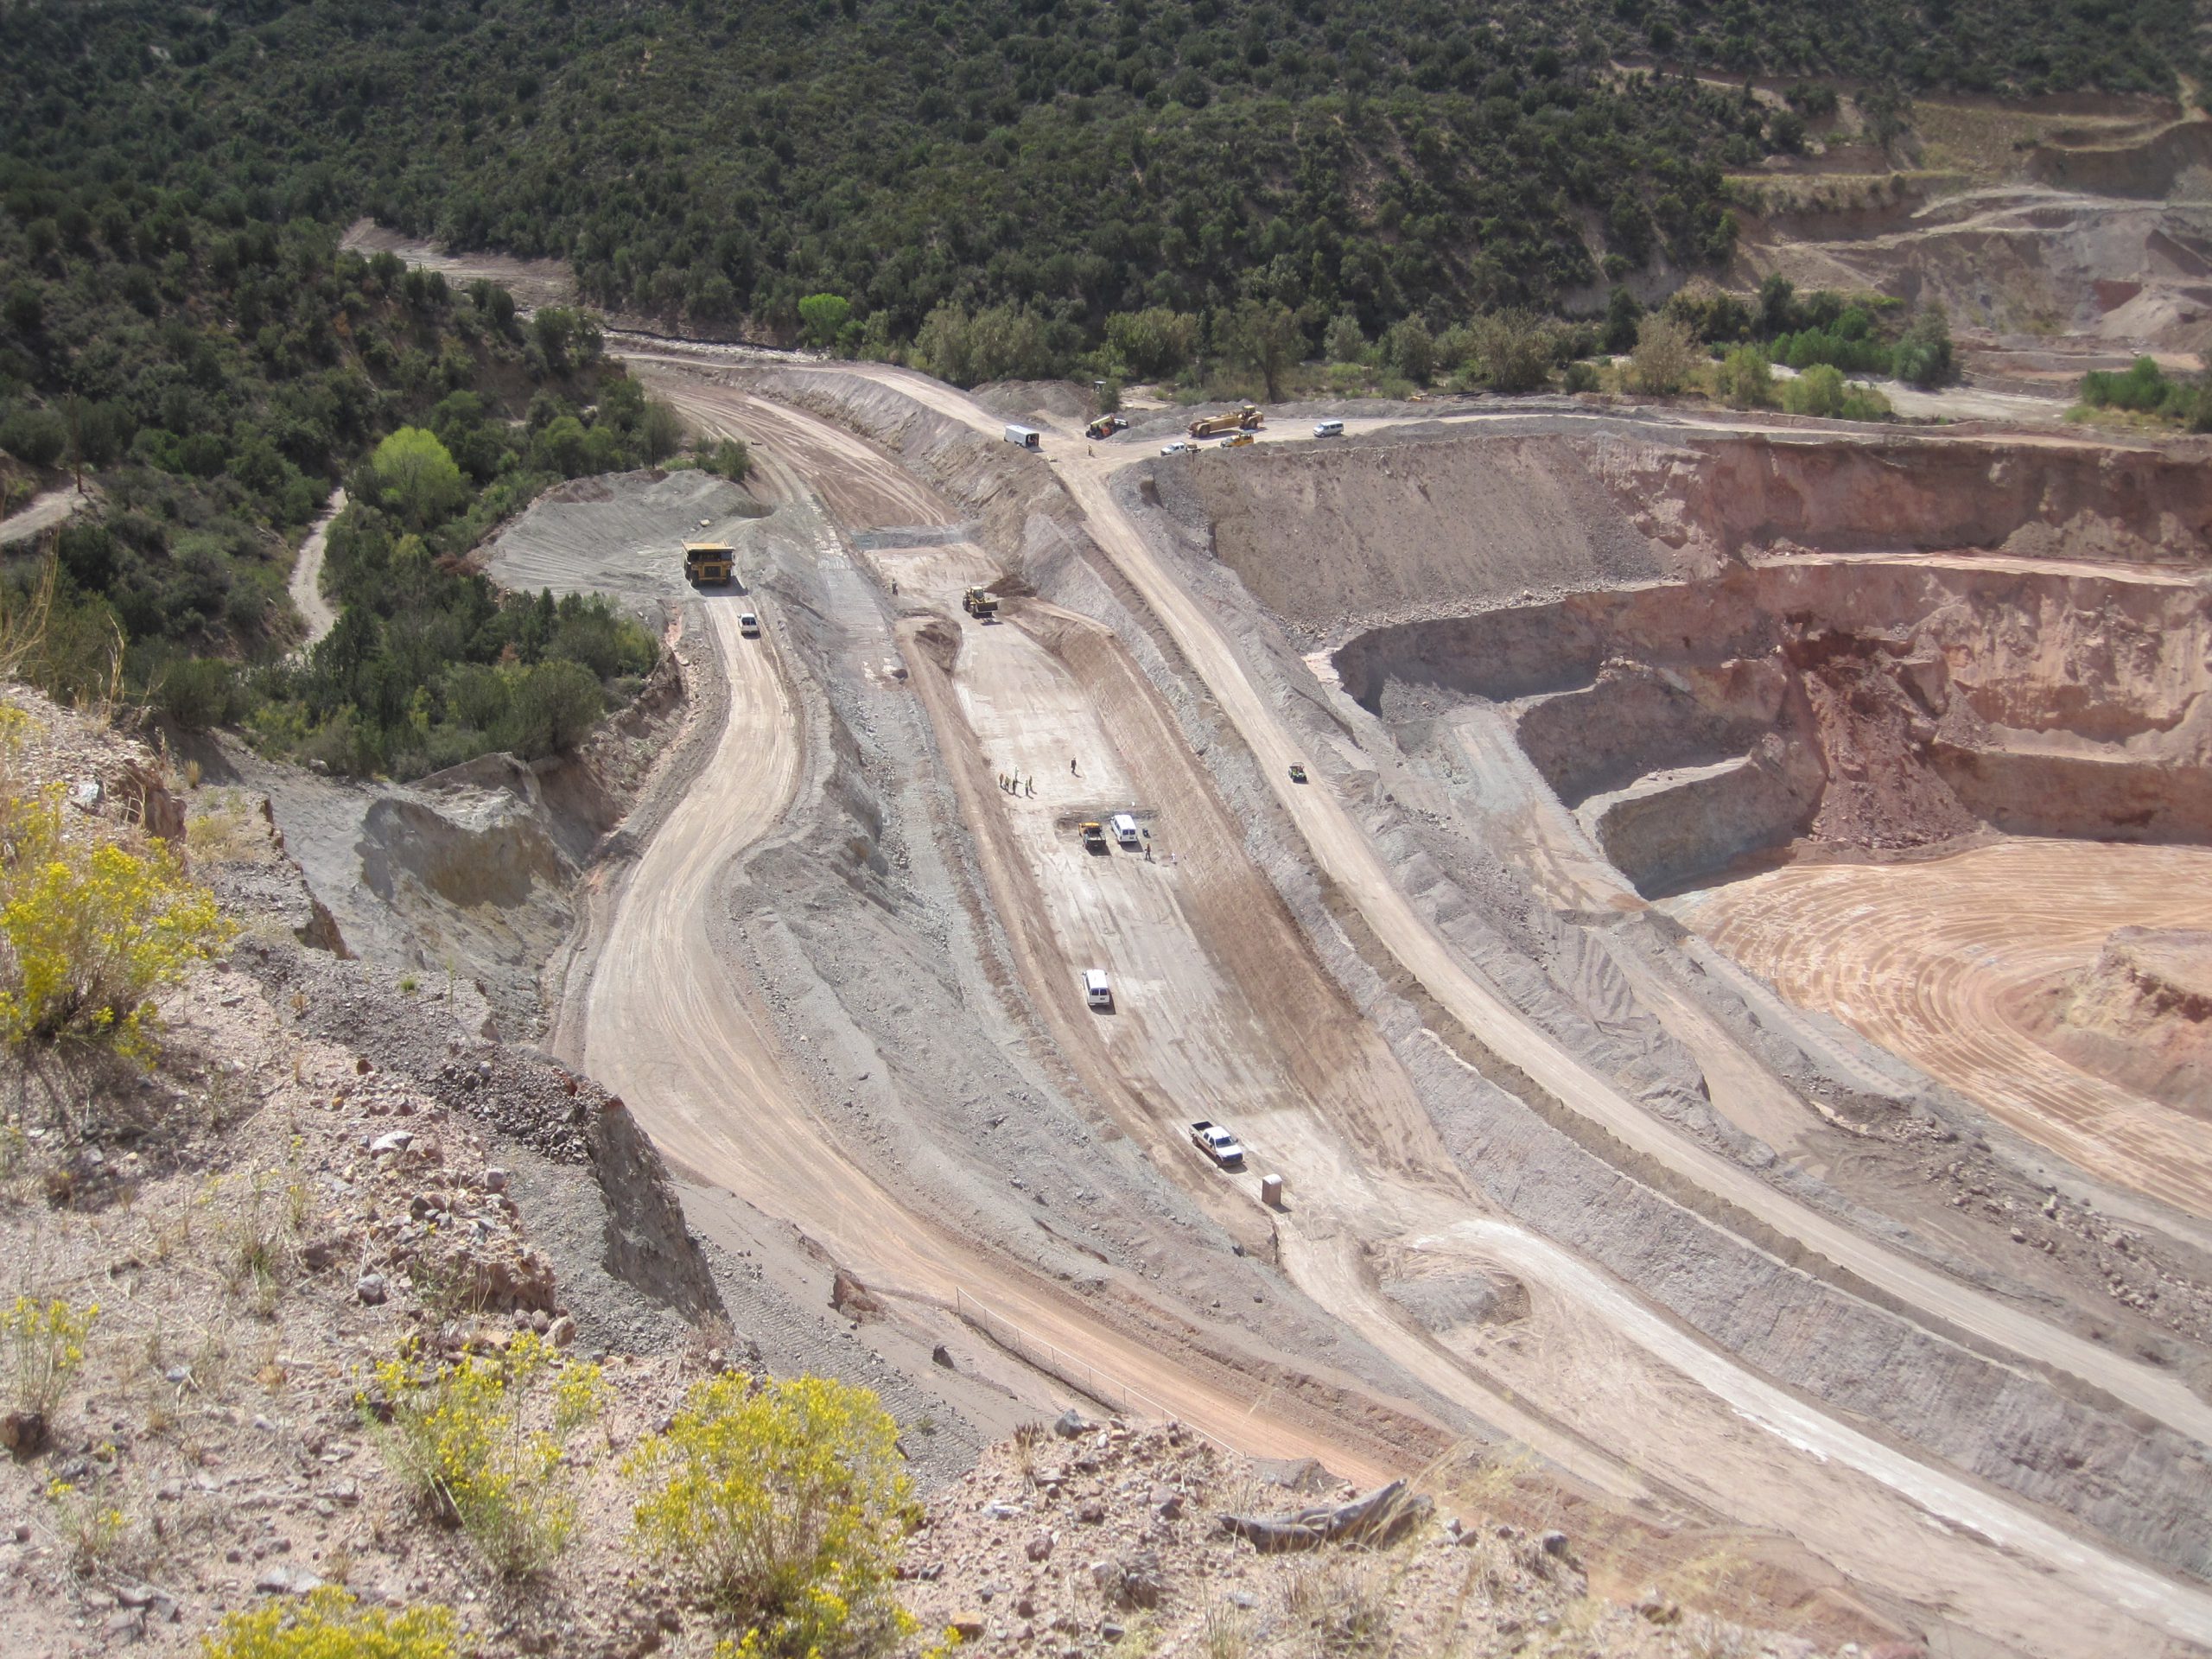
1938	962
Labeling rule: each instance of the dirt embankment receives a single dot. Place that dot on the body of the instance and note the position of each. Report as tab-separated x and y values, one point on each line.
1724	497
1335	540
2140	1016
1819	1339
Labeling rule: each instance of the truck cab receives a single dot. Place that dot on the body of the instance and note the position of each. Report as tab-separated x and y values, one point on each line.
709	564
1218	1144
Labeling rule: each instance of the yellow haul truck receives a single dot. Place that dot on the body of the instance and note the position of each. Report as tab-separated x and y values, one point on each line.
1247	419
709	564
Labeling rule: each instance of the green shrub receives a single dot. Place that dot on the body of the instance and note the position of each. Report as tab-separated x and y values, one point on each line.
42	1346
33	437
1665	357
1745	380
328	1623
2142	386
480	1440
1580	377
90	929
786	1505
1822	390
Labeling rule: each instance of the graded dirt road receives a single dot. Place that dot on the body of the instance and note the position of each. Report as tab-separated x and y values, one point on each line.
42	512
1342	849
668	1026
1188	1026
306	586
1934	960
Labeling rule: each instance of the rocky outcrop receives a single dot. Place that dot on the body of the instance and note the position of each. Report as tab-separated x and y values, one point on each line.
2140	1016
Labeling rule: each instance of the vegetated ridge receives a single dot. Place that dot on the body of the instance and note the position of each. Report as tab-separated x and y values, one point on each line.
721	165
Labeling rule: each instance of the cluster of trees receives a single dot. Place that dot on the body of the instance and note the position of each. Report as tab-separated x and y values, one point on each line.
838	172
217	375
844	171
2144	388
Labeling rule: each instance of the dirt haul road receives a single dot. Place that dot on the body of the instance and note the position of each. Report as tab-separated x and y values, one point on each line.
1025	707
1344	853
667	1026
1938	961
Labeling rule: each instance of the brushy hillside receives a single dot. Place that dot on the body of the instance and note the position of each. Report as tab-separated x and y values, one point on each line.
718	164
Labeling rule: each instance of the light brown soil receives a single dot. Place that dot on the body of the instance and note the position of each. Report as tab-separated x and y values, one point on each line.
1942	960
2140	1016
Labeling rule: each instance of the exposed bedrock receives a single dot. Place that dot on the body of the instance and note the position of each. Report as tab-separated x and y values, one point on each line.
1466	519
1866	702
2140	1015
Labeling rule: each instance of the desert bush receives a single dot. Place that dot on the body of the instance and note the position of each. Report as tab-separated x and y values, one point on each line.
89	1523
480	1441
42	1346
90	930
786	1505
1822	390
328	1624
731	458
1665	357
1512	351
1745	380
1580	377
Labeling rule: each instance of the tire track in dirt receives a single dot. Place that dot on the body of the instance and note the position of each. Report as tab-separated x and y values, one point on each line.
1343	851
668	1026
1804	1427
1934	959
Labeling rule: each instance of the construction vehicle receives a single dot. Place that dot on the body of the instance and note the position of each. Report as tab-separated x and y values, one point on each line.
1218	1144
1298	772
1105	427
1094	836
981	603
709	564
1246	419
1238	440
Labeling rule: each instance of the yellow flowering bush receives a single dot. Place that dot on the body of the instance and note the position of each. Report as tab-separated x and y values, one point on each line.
482	1441
41	1345
786	1503
329	1624
90	929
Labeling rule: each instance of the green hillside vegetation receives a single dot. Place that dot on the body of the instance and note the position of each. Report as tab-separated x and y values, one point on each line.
720	164
2144	389
216	376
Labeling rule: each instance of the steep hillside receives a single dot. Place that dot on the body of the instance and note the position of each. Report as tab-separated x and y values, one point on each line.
720	164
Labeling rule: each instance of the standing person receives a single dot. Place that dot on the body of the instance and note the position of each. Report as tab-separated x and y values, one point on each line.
1071	772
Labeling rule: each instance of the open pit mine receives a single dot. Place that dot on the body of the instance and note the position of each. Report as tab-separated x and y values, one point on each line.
1698	932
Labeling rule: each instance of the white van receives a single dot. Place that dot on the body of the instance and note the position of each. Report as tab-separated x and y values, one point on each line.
1124	827
1328	428
748	624
1024	437
1096	990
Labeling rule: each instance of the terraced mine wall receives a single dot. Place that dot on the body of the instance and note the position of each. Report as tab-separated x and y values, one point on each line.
2143	1486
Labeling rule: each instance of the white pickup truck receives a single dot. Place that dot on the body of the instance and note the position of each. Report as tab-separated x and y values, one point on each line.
1218	1144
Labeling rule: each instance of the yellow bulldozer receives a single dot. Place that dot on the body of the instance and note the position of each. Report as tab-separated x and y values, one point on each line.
981	603
709	564
1246	419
